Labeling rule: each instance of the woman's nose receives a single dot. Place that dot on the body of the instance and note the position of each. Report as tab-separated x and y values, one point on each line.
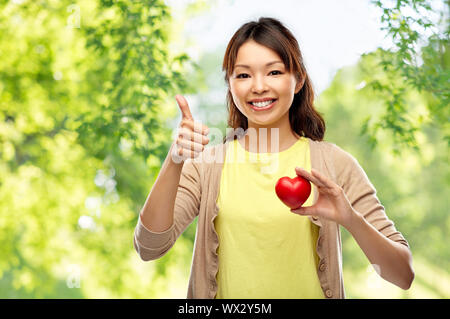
258	84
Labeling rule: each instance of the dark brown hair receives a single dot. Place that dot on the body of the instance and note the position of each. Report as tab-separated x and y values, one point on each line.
271	33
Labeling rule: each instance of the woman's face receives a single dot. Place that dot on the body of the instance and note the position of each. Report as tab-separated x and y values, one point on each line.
261	86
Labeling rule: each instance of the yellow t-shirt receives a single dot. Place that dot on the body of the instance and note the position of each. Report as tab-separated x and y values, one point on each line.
265	251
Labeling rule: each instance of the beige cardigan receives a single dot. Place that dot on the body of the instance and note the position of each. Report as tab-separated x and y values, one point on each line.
197	194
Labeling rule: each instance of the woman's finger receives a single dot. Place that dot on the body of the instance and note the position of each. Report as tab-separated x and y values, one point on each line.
185	152
324	180
192	136
305	174
192	146
195	126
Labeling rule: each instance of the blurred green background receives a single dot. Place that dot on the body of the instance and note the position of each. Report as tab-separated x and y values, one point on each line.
87	115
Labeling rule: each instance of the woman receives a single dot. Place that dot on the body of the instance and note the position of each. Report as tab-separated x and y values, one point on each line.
248	244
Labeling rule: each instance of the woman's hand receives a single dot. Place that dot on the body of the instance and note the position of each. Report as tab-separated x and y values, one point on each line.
191	135
332	203
393	260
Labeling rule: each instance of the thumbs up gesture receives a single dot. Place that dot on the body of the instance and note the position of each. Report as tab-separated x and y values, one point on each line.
191	135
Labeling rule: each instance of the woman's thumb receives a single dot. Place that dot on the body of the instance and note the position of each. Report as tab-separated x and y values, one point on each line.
302	211
184	107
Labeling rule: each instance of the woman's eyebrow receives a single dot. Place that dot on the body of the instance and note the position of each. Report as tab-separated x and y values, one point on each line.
248	67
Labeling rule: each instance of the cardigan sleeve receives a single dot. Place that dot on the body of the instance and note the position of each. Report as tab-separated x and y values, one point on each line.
153	245
362	194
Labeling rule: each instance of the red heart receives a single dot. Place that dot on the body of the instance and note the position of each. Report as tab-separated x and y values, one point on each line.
293	191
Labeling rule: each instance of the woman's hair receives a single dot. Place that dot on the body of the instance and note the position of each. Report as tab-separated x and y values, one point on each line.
271	33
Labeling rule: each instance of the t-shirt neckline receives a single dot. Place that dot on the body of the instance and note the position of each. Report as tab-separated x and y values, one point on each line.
269	153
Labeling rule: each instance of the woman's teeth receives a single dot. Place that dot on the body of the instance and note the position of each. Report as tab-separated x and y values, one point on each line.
262	104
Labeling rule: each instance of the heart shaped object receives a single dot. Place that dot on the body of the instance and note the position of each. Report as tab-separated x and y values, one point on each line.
293	191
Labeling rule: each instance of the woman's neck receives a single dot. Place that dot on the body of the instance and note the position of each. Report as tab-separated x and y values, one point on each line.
268	140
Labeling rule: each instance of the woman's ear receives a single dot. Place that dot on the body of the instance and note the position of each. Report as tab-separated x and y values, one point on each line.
299	85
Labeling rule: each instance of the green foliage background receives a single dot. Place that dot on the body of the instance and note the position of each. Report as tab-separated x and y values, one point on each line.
86	110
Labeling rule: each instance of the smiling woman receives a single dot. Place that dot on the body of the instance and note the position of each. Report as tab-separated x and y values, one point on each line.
248	243
259	87
263	62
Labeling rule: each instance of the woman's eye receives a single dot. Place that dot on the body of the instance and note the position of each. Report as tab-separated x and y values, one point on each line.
245	75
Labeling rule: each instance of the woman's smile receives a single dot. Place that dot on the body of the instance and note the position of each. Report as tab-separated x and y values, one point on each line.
262	106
